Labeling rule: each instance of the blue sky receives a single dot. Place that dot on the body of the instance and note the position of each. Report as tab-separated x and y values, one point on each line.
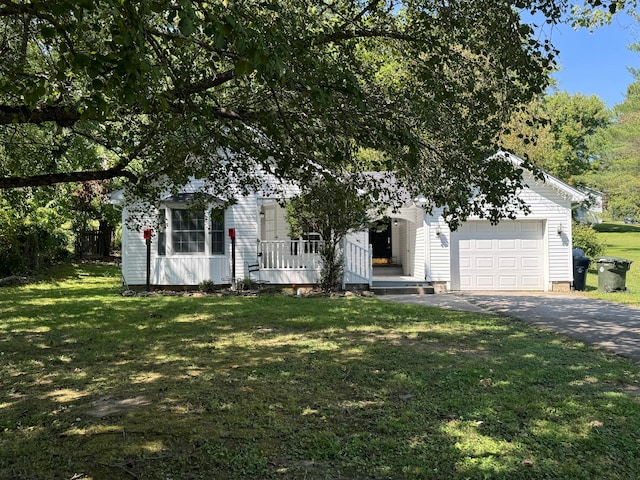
596	63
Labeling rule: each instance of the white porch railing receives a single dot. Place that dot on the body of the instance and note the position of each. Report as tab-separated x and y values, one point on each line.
298	261
290	254
357	264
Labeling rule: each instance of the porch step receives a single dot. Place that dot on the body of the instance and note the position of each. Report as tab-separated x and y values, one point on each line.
407	290
381	287
390	270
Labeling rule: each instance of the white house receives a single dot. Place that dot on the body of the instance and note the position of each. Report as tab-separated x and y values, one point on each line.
590	211
187	247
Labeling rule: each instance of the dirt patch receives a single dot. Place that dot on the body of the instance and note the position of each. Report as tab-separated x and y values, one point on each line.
106	406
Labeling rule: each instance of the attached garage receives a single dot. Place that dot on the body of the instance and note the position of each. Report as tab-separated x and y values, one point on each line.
507	256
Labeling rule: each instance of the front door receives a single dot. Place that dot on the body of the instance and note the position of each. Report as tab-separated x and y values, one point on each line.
380	239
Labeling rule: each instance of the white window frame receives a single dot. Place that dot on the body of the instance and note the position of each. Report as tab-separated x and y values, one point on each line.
170	250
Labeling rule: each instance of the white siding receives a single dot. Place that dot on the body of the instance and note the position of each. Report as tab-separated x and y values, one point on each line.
438	263
419	262
360	238
400	241
243	216
134	250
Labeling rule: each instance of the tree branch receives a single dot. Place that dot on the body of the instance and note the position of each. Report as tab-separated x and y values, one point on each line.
67	117
60	114
81	176
360	33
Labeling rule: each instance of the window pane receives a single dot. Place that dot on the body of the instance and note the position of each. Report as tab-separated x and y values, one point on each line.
187	231
162	236
217	232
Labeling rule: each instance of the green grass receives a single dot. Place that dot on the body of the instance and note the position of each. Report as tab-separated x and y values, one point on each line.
621	240
95	385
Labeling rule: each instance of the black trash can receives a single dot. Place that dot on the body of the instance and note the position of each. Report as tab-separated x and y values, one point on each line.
612	274
580	267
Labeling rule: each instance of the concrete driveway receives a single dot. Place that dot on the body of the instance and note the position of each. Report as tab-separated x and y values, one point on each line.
609	325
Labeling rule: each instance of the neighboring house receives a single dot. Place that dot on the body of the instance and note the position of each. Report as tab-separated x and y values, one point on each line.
532	252
590	210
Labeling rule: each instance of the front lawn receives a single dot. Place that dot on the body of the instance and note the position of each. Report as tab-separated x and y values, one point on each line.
96	385
621	240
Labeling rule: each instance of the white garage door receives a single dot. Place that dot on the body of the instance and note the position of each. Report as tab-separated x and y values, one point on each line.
507	256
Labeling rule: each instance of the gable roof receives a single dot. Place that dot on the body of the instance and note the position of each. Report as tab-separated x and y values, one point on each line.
566	190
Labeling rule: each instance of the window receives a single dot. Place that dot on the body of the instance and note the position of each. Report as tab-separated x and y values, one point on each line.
217	231
187	231
162	232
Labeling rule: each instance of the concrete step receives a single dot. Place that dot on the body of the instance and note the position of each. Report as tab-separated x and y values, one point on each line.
387	271
403	289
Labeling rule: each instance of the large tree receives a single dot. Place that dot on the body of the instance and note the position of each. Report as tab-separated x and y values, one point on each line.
560	133
619	172
224	89
619	175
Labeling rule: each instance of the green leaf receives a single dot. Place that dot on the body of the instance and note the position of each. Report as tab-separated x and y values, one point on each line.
243	67
186	26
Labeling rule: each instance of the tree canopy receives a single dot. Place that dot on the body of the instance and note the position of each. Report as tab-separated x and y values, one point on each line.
561	133
619	172
164	90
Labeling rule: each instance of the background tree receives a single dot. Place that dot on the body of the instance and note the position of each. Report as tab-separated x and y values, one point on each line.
619	172
33	230
333	208
224	89
41	225
560	133
619	175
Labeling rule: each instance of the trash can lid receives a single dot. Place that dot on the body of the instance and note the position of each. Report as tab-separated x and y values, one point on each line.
614	260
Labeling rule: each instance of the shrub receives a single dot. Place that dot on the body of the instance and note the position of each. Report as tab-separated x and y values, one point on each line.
586	238
207	286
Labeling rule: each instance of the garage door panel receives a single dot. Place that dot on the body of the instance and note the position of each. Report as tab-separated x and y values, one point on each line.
466	282
507	281
530	227
530	282
506	227
484	262
530	245
507	262
507	244
532	263
509	256
484	244
487	282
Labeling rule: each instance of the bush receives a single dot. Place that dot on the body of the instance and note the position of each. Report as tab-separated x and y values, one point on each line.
207	286
26	248
586	238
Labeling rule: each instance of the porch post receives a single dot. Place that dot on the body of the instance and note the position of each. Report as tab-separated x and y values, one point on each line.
344	263
370	266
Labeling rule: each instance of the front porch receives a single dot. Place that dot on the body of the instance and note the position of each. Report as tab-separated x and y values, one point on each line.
298	262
